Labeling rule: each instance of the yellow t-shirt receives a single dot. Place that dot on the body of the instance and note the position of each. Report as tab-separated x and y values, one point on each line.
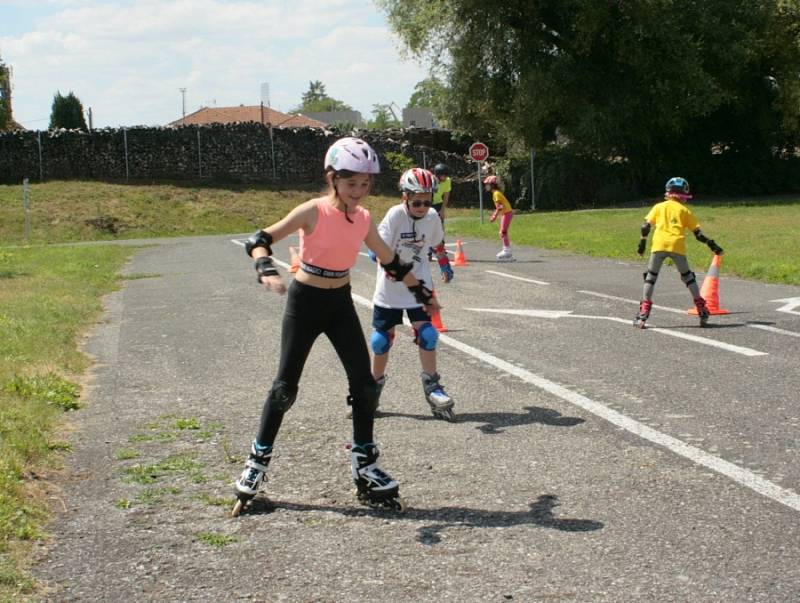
501	203
445	186
671	219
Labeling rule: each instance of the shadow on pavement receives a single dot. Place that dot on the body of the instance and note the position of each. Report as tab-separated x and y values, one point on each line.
539	513
494	422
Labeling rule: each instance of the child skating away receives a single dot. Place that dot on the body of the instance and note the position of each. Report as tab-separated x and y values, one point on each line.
671	218
332	229
410	229
503	209
441	195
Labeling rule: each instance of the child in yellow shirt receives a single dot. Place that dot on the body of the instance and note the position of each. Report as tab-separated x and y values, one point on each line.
671	218
503	209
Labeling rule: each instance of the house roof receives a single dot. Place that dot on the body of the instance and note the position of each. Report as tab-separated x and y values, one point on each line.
242	113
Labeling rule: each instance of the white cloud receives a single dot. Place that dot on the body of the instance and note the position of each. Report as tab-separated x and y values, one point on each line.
127	60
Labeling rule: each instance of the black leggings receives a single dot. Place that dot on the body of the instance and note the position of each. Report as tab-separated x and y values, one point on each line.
311	311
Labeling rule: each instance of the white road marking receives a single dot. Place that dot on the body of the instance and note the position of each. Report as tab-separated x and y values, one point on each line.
631	301
791	304
676	311
755	325
679	334
738	474
519	278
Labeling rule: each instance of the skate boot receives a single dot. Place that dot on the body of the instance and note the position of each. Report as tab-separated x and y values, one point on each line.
644	313
374	487
380	382
441	404
702	311
505	255
252	477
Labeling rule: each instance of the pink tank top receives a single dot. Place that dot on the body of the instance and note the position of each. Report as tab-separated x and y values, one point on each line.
334	244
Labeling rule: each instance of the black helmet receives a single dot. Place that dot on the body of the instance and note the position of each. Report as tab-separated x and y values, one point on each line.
441	169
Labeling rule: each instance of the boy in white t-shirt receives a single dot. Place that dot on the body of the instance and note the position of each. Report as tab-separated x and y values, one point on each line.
410	229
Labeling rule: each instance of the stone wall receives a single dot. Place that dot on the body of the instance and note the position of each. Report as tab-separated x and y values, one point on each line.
244	153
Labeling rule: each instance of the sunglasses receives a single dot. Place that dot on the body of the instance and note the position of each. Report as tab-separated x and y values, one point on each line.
417	204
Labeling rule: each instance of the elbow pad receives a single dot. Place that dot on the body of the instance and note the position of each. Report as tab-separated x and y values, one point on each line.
258	239
698	234
646	229
397	270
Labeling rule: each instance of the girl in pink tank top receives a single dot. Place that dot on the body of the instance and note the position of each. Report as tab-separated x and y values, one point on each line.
332	229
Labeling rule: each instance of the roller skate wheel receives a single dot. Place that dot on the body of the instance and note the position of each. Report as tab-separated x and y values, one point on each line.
237	508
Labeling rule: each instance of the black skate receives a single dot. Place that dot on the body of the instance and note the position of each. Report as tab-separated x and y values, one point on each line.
441	404
644	313
252	477
702	311
374	486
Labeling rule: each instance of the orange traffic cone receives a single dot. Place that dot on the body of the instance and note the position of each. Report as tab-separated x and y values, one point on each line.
295	260
460	259
710	289
436	319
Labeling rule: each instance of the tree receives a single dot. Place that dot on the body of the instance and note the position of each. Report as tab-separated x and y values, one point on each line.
316	100
433	94
383	117
67	112
630	79
5	96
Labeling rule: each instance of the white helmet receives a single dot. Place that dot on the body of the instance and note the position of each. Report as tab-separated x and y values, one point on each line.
352	154
417	180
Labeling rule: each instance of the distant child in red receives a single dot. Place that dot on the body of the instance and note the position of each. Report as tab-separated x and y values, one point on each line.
502	209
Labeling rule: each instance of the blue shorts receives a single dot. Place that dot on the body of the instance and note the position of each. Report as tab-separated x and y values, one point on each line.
385	319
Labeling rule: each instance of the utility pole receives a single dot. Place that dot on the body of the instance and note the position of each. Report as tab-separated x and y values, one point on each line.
89	111
183	105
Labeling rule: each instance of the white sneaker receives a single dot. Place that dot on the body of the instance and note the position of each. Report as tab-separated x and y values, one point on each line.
505	255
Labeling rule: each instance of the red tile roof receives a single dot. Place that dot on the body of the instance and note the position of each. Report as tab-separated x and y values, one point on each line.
242	113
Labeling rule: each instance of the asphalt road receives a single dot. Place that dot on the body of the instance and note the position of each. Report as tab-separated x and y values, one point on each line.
591	461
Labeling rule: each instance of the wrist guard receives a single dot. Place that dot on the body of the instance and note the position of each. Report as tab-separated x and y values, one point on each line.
714	247
645	229
264	267
396	270
698	234
422	294
642	245
258	239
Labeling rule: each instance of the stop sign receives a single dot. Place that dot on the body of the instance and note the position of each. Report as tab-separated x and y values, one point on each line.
479	151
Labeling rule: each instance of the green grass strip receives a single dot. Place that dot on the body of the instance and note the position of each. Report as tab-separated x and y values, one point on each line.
48	298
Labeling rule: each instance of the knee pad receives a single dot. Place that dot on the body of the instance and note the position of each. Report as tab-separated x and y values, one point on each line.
688	278
381	341
426	336
365	399
281	397
650	277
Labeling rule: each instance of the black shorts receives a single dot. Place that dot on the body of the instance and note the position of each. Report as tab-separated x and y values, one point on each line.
385	319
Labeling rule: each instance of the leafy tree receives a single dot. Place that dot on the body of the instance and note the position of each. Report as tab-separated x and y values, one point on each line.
67	112
383	117
433	94
5	101
316	100
629	79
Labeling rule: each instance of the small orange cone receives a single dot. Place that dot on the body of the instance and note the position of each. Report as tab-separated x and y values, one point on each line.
295	260
460	259
436	320
710	289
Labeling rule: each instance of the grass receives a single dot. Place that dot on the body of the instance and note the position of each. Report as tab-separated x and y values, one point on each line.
216	540
92	211
759	238
48	297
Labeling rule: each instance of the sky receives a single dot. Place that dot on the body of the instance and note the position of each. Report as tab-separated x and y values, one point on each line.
129	59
